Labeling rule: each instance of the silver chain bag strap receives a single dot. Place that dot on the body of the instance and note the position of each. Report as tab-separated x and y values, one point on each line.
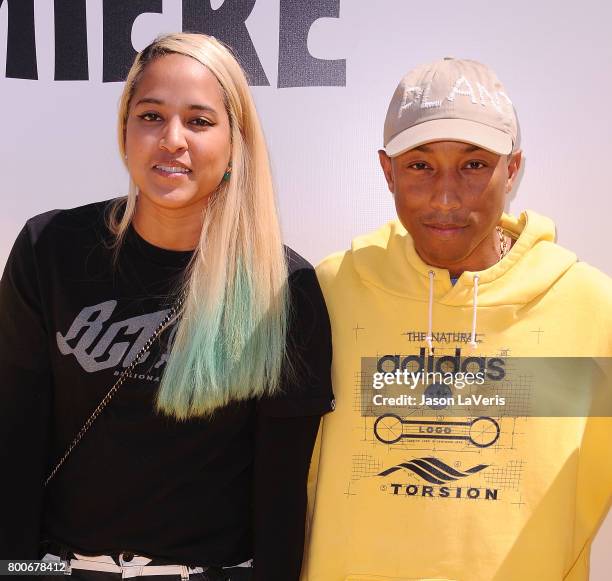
113	390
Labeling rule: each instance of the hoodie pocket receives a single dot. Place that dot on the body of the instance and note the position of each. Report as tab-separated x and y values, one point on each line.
380	578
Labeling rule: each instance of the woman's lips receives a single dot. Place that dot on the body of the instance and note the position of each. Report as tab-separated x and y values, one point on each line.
172	171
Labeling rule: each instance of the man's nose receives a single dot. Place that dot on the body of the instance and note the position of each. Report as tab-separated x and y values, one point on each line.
446	192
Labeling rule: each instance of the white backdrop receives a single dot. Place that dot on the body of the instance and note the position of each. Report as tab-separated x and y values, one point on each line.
58	150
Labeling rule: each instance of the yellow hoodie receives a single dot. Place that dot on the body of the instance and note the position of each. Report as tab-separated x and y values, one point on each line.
519	498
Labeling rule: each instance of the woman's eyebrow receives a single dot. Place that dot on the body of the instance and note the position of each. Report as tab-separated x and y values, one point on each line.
207	108
193	107
150	100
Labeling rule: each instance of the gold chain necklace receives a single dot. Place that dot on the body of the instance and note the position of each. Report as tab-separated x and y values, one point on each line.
504	245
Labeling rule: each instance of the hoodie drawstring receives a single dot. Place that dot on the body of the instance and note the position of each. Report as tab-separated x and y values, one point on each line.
429	338
473	342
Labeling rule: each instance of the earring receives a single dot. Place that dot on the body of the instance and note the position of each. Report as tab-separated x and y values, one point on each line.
228	172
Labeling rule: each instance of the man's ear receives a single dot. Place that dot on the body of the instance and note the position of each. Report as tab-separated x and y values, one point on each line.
514	165
385	163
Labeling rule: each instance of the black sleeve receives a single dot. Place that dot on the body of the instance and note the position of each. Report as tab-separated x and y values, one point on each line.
287	426
306	384
282	458
25	392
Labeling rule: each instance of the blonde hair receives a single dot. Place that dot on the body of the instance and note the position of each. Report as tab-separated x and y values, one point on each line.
230	341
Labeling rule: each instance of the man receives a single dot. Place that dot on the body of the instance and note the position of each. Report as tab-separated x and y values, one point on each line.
437	488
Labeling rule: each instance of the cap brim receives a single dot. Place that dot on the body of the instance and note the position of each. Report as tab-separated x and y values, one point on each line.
450	130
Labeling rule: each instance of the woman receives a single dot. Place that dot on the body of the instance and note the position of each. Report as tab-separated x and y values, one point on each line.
198	462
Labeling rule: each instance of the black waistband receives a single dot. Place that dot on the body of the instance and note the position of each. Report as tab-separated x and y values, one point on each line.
211	573
65	553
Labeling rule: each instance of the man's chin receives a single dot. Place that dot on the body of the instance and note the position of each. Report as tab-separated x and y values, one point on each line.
439	258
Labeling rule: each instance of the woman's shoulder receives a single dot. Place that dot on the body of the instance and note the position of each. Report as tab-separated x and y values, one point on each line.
302	278
296	262
87	218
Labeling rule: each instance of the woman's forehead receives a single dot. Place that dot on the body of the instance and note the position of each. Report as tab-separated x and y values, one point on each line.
176	78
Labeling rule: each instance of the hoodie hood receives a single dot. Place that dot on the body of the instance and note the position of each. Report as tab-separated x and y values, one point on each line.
387	259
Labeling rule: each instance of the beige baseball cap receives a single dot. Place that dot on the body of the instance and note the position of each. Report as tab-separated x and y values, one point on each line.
450	100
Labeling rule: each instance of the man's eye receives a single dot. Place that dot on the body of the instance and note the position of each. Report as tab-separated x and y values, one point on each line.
475	165
150	117
418	165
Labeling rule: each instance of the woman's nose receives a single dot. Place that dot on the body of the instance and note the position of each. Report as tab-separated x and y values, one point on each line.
173	138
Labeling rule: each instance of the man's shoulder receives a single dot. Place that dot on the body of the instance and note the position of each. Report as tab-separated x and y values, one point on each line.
328	267
337	273
590	283
367	252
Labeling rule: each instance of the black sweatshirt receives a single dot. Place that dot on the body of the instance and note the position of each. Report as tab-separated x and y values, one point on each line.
199	492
